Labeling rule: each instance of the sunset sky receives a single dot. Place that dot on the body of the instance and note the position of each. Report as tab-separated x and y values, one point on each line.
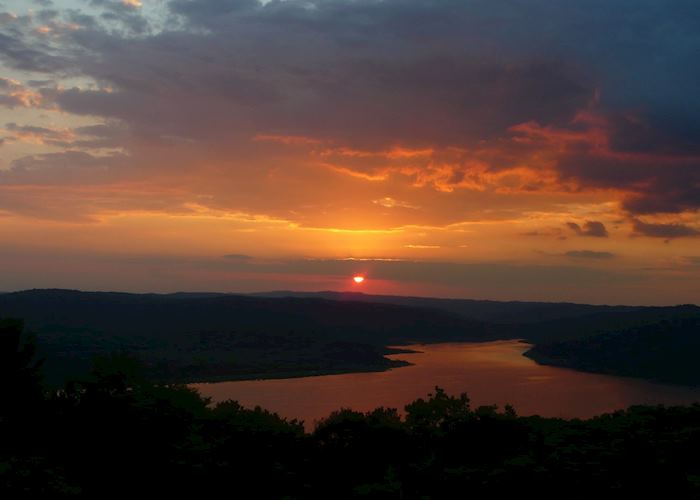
510	150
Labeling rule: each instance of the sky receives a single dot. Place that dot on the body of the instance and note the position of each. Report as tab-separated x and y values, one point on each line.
489	149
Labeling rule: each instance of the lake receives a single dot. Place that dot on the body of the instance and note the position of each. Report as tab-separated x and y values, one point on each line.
490	373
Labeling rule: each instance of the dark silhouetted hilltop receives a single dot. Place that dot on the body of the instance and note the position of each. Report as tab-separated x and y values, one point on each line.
211	336
207	336
489	311
667	351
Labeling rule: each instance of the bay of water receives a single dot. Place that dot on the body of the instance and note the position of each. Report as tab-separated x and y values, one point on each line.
490	373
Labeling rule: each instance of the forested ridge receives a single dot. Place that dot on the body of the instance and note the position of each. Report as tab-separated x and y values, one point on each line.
190	337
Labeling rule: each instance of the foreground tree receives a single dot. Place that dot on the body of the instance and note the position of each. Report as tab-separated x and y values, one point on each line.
116	433
20	371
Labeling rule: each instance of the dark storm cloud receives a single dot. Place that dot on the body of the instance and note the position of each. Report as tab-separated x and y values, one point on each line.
372	74
59	168
356	98
127	15
590	228
414	70
656	184
670	192
667	231
656	161
21	49
360	72
10	101
641	133
207	12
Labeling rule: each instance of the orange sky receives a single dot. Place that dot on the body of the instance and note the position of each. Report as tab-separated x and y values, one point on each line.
184	148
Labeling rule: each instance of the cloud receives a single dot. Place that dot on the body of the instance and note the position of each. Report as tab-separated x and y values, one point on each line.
667	231
13	94
389	202
454	107
64	168
238	257
670	192
586	157
590	228
548	232
32	133
589	254
209	12
21	50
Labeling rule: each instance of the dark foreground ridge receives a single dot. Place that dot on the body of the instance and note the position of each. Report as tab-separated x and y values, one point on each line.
114	434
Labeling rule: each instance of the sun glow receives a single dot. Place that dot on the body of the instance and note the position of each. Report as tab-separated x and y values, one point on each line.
358	279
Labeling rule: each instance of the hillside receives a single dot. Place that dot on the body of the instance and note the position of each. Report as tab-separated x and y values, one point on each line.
208	336
489	311
659	343
667	351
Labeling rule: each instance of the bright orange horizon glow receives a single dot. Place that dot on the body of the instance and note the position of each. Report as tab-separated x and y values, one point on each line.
358	279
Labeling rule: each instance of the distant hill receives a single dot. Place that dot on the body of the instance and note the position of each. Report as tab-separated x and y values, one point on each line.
169	316
208	336
204	336
659	343
603	321
488	311
667	351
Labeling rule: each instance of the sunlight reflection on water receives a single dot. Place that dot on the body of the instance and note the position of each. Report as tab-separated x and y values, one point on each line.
490	373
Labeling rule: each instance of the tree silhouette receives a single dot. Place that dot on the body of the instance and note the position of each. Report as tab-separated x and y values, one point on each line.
20	372
438	412
117	433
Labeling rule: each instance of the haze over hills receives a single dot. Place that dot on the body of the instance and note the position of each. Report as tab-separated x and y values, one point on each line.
211	336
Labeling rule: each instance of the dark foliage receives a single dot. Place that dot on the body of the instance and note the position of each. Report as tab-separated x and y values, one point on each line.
116	434
666	351
203	337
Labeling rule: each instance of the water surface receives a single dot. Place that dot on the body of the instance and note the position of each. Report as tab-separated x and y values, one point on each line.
490	373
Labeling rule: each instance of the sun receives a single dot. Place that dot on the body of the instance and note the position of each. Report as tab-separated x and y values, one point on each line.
358	279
